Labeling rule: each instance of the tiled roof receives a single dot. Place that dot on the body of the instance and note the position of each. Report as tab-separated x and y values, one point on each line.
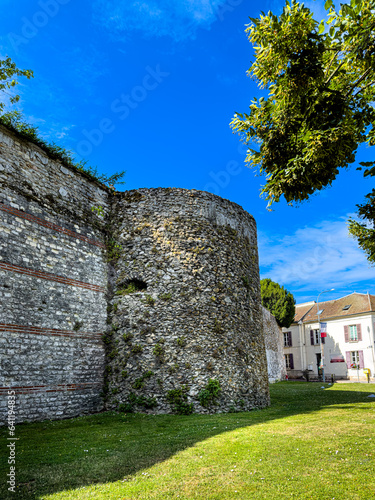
302	310
358	302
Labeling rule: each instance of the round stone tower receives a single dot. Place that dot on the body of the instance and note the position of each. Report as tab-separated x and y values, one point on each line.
185	330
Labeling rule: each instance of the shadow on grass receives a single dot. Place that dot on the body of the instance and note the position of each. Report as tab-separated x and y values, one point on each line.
60	455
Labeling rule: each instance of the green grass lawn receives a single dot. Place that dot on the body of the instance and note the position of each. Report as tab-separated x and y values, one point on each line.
312	443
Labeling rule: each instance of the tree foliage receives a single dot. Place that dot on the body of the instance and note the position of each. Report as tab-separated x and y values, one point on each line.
320	79
278	301
8	74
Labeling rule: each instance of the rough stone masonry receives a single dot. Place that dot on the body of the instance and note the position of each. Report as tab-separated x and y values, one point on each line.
112	299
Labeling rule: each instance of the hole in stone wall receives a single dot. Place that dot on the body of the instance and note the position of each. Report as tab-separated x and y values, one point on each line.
135	285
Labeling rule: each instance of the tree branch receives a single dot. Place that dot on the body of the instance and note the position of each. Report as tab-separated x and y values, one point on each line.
360	79
337	52
364	88
334	72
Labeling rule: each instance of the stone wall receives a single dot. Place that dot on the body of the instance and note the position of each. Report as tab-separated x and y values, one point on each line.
157	292
273	337
198	316
53	281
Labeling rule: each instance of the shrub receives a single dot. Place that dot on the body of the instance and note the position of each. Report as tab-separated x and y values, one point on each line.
150	300
181	342
159	350
173	368
125	407
127	337
137	349
113	250
177	398
142	401
140	382
165	296
106	339
146	402
210	393
113	354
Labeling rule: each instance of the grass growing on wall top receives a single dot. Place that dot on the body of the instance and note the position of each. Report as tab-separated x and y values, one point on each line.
312	443
14	121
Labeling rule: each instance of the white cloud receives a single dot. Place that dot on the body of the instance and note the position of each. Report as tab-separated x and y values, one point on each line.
176	19
314	258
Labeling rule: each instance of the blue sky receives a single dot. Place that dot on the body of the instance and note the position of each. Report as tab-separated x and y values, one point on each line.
150	86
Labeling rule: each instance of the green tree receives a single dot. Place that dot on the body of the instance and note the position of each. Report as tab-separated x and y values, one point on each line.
8	74
278	301
320	78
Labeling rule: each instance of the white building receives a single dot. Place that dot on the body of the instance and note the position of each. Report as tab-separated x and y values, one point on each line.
349	347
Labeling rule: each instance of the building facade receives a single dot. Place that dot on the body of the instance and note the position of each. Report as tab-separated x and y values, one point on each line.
349	346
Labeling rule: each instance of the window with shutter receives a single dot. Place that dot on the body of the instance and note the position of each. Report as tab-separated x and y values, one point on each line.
315	337
359	332
287	339
289	361
353	333
348	359
361	360
355	360
346	333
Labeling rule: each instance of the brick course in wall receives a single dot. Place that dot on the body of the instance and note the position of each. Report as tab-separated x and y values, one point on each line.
50	277
49	332
50	225
47	304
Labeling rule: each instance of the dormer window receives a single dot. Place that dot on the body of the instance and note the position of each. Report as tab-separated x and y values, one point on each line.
345	308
